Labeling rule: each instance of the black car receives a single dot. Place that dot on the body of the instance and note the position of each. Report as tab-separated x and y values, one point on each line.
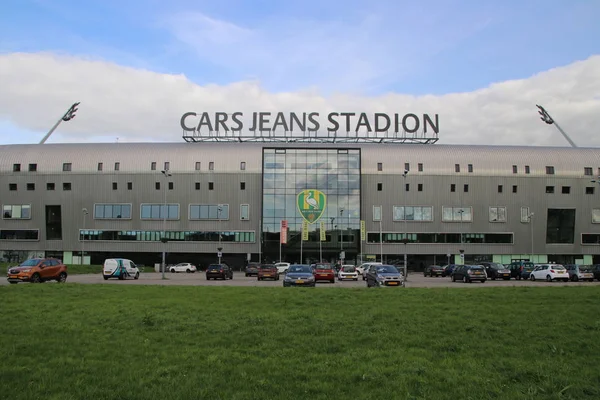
449	268
219	271
299	275
469	273
518	269
433	270
252	269
496	271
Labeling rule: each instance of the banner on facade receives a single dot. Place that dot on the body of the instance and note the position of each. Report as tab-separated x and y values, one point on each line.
322	231
284	230
304	230
363	233
311	204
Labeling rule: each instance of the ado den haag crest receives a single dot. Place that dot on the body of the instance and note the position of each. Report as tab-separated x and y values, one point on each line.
311	204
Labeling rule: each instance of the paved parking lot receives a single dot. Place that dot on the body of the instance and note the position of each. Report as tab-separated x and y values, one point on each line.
199	279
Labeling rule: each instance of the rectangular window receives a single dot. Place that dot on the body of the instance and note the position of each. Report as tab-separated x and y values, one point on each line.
129	185
590	238
457	214
407	187
117	166
171	185
525	216
515	169
100	166
466	188
211	186
197	185
243	165
31	186
66	167
589	190
153	166
407	166
420	167
112	211
379	166
67	186
157	185
167	166
159	211
21	211
500	188
456	167
566	189
596	216
527	169
420	187
413	213
242	185
244	212
549	170
114	185
470	167
514	188
376	213
16	167
550	189
197	165
211	166
12	186
453	187
560	226
497	214
379	187
588	171
19	234
50	186
209	211
32	167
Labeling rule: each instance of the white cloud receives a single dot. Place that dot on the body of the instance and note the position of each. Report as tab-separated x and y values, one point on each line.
140	105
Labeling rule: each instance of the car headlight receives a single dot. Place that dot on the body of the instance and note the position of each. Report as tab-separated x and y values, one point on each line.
469	272
25	270
380	277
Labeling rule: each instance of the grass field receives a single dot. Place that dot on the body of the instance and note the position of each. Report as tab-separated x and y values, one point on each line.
152	342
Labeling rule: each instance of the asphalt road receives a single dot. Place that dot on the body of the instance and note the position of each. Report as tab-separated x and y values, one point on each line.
199	279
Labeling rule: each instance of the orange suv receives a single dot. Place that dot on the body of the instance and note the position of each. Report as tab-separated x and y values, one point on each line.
37	270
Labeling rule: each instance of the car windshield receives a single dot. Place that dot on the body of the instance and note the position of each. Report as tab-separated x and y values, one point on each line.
349	269
387	269
558	267
497	266
267	267
31	263
475	267
214	266
585	269
299	269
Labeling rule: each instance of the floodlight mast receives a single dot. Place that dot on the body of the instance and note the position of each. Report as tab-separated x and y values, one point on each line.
69	115
550	121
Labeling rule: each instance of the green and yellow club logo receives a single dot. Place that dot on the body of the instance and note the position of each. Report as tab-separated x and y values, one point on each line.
311	204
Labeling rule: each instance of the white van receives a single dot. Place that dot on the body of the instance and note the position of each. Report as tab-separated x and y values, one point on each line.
282	267
120	268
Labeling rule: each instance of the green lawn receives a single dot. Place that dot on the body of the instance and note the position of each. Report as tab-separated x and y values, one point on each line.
177	342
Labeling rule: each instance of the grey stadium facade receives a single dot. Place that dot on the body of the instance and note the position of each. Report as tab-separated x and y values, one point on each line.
495	203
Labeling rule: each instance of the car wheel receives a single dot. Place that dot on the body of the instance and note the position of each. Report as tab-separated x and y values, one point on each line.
36	278
137	275
465	279
332	281
493	278
532	277
13	283
188	271
231	277
518	277
62	277
575	278
172	270
548	278
355	279
105	278
452	278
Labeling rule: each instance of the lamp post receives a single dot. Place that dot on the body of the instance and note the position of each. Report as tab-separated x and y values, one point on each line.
530	219
380	234
461	250
341	238
405	230
166	174
85	213
219	211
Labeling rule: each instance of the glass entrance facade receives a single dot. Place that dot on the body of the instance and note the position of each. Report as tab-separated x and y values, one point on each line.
335	173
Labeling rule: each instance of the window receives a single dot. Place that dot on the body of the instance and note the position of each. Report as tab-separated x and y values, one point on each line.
20	211
407	187
197	165
420	187
32	167
549	170
117	166
420	167
31	186
379	187
376	213
157	185
171	185
211	186
66	167
379	166
525	217
211	166
19	234
244	212
514	188
209	211
12	186
50	186
456	167
243	165
527	169
596	216
16	167
167	166
466	188
407	166
413	213
589	190
497	214
588	171
129	185
560	226
470	167
100	166
549	189
197	185
114	185
566	189
499	188
242	185
515	169
153	166
112	211
67	186
453	187
159	211
457	214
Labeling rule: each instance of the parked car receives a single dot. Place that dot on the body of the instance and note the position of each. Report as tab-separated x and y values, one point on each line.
252	269
469	273
267	271
183	267
348	272
549	272
324	272
282	267
580	272
596	271
525	272
433	270
299	275
364	268
37	270
517	267
496	271
448	269
384	276
120	268
219	271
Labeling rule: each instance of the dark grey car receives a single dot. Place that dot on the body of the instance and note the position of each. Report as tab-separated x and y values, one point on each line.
299	275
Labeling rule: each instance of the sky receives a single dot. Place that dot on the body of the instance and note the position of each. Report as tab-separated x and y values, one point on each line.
137	66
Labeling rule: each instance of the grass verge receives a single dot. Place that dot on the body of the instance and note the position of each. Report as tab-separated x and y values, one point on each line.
152	342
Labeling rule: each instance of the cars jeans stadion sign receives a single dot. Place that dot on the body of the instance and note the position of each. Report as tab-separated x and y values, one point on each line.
313	124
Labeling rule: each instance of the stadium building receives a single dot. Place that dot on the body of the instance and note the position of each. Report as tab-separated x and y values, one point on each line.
430	201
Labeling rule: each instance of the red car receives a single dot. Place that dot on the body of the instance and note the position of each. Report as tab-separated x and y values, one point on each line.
324	272
267	272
